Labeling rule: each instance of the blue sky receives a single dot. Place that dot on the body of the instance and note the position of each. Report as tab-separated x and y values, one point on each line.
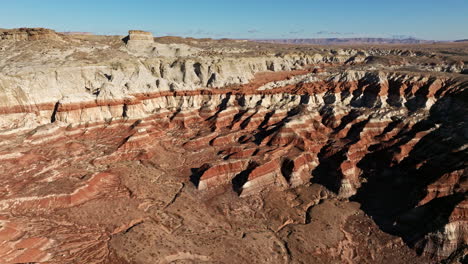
425	19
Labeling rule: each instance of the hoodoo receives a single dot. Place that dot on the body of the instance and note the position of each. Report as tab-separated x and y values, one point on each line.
138	40
221	148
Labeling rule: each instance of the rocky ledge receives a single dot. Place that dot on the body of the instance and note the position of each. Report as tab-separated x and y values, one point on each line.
245	146
19	34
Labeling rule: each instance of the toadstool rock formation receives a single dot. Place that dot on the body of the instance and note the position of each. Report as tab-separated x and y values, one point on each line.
138	40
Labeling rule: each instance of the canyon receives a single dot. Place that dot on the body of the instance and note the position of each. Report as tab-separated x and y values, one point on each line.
135	149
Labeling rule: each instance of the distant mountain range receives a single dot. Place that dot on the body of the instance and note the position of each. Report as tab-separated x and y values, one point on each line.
331	41
76	33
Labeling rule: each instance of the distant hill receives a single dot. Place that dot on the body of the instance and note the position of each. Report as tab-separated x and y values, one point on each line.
331	41
461	40
76	33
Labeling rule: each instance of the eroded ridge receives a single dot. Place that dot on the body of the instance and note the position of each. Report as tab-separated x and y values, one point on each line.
216	150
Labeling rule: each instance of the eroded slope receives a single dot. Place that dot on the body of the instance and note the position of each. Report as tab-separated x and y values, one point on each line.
232	153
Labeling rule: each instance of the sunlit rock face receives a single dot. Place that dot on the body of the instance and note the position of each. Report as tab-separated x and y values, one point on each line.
22	34
167	149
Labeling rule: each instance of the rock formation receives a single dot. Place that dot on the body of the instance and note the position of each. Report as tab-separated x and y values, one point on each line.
140	35
229	150
18	34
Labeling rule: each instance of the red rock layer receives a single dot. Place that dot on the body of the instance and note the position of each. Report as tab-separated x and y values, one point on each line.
363	142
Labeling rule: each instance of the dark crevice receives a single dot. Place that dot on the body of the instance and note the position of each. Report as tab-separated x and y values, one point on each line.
197	70
126	39
136	123
305	98
197	174
266	119
131	227
125	140
246	121
124	111
237	117
161	70
286	169
352	115
53	117
355	130
327	173
211	80
240	179
175	114
222	106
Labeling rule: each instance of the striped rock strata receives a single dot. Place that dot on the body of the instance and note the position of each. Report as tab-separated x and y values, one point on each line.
395	142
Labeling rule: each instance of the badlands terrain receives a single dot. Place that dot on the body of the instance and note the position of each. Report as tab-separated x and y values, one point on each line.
134	149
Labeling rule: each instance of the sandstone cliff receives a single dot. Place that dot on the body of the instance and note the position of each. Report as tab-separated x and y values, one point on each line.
28	34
